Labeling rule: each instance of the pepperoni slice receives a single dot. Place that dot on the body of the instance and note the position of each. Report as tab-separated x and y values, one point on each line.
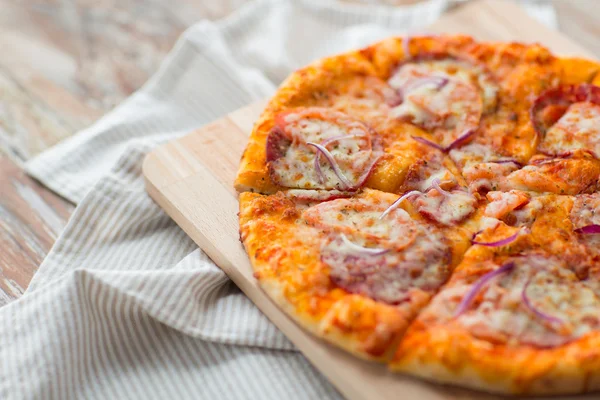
385	259
550	106
318	148
443	94
361	217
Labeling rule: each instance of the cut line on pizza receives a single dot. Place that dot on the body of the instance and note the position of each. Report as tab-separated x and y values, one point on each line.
433	203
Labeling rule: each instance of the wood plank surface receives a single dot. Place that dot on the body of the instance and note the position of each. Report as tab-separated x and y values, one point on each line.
67	62
192	178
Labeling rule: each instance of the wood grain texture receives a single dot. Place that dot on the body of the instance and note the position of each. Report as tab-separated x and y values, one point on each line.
67	62
31	218
63	65
192	179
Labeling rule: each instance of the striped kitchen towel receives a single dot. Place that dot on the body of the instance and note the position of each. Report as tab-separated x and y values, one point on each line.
125	306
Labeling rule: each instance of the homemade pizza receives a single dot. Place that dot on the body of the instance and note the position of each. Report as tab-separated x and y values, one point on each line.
433	203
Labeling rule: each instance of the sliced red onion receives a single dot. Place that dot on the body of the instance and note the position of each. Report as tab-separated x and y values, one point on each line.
471	294
436	185
365	175
455	144
589	229
363	250
325	143
475	235
320	176
460	140
534	310
396	203
333	164
426	142
518	164
438	81
498	243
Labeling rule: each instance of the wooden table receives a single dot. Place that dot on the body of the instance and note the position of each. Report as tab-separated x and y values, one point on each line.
65	63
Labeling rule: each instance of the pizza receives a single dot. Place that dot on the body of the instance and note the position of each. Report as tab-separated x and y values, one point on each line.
433	203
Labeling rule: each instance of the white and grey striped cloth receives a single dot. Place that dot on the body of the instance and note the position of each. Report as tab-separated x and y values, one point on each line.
125	306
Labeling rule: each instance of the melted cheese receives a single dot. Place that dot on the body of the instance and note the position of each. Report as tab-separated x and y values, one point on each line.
586	210
578	128
447	210
499	313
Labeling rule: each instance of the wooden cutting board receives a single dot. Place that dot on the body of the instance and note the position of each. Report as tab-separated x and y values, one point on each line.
192	179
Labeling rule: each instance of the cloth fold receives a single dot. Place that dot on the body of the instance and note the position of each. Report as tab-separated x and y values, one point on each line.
125	305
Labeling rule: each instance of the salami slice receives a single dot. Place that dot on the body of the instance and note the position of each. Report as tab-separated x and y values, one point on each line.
318	148
444	95
550	106
385	259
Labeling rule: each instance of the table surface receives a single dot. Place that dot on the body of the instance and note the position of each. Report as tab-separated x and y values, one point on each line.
83	75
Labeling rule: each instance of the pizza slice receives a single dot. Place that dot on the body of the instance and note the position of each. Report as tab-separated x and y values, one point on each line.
510	323
516	317
355	270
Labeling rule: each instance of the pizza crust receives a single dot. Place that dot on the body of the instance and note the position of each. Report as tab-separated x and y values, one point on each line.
452	355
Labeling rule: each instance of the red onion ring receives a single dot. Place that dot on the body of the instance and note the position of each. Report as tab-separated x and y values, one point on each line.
396	203
436	185
470	296
429	143
438	81
458	142
498	243
518	164
363	178
533	309
362	250
588	229
333	164
325	143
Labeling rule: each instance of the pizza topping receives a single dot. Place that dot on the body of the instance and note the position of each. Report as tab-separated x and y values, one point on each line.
497	243
468	299
456	143
550	106
397	203
425	170
578	128
385	257
556	175
531	299
588	229
446	208
318	148
534	309
361	217
488	176
444	95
